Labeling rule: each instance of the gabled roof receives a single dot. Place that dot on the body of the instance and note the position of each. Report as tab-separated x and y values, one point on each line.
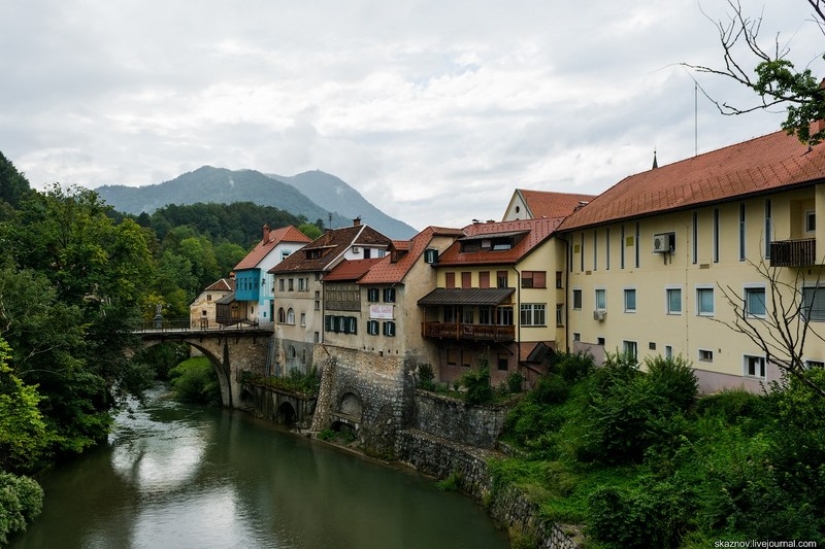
266	245
351	269
762	165
330	247
408	252
222	285
551	204
535	232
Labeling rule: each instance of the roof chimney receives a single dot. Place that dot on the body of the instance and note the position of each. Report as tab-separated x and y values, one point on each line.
357	221
266	232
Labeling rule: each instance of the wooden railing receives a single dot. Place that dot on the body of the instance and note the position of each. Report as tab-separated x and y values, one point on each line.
452	330
793	253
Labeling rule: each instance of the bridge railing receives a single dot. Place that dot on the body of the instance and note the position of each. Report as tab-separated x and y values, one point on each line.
199	325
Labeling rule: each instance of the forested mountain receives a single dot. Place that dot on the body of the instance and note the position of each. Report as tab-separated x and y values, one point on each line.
218	185
335	195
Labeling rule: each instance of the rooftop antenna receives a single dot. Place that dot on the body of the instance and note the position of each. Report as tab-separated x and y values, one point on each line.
695	119
329	215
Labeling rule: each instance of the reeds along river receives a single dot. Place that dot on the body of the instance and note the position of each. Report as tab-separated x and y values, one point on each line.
174	476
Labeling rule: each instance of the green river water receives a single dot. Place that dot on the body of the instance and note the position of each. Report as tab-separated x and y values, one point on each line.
175	476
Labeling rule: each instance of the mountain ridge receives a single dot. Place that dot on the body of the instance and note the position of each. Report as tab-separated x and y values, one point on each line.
289	193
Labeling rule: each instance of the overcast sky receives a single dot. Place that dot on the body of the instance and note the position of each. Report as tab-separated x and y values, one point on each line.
434	110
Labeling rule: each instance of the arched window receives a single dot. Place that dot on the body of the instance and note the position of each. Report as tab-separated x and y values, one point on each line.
290	316
281	315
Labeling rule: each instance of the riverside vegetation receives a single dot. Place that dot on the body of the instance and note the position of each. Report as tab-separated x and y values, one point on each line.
76	279
637	460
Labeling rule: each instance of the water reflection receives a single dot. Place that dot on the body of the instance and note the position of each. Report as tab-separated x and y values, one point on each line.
174	477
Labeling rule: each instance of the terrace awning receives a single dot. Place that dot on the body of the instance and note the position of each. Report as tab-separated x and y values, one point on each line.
481	297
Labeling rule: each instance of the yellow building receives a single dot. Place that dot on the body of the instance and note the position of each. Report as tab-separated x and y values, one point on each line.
666	262
498	296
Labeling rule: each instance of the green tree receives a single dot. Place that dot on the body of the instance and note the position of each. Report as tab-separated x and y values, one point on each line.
14	187
311	230
775	78
82	275
23	436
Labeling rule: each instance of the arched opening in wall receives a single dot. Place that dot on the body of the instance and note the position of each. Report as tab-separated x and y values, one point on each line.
351	406
247	399
286	414
349	431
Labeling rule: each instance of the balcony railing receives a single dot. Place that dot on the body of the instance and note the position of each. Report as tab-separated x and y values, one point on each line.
793	253
486	332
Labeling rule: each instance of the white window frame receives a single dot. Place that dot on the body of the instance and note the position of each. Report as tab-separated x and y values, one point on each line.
704	287
669	289
668	351
820	293
810	363
806	220
746	364
635	297
596	298
631	346
573	299
534	312
708	360
747	288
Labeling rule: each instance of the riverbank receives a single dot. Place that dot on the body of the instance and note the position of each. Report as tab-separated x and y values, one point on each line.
467	466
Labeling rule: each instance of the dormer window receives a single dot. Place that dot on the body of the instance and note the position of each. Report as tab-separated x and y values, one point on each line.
313	254
470	246
502	244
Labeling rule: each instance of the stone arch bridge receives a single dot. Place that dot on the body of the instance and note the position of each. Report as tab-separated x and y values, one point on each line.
238	355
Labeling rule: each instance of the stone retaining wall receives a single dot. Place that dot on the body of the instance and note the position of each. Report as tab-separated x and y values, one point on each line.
442	458
453	419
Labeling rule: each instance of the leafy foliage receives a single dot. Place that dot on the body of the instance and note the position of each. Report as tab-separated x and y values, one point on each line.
425	375
729	466
23	436
477	383
21	500
194	380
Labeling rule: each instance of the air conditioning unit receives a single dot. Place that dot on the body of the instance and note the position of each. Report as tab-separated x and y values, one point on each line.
356	250
599	314
664	243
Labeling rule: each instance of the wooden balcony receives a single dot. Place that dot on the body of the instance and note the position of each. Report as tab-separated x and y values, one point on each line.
475	332
793	253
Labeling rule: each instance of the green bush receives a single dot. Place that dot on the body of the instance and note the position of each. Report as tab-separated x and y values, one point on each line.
425	377
194	380
630	411
515	380
21	500
574	366
655	514
550	389
477	383
730	405
674	380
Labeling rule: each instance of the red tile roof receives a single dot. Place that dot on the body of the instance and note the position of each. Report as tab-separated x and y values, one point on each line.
351	269
536	231
387	272
330	246
262	249
552	204
758	166
222	285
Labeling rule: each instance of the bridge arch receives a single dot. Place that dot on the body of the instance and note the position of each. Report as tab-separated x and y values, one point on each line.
217	366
